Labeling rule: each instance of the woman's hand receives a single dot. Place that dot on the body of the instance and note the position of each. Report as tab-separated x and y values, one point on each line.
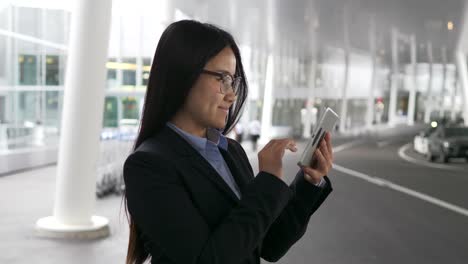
322	161
270	158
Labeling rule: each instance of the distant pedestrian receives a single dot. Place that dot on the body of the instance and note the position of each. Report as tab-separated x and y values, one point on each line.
239	129
254	132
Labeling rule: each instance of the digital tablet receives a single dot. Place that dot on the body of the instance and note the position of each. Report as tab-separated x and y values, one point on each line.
326	124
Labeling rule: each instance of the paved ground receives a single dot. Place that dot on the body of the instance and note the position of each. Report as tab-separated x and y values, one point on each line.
363	222
360	222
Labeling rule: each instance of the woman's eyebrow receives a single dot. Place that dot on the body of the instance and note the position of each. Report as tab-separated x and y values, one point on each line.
226	72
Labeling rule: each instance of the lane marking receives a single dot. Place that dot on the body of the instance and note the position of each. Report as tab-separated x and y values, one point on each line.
387	184
347	145
383	143
403	155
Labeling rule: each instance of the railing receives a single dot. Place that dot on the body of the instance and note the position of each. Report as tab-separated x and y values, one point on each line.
114	149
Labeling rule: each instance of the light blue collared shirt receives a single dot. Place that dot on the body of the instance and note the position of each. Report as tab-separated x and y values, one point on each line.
208	148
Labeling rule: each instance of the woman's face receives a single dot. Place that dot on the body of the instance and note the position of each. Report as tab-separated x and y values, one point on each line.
206	104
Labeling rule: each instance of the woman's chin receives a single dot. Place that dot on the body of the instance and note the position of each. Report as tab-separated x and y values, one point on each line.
220	124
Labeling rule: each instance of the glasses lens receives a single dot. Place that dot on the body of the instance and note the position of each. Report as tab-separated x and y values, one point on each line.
235	84
229	83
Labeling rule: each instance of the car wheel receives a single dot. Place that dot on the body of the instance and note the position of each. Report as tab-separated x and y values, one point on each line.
444	158
429	156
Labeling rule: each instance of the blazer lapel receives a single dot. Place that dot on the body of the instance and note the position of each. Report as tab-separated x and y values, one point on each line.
191	160
239	175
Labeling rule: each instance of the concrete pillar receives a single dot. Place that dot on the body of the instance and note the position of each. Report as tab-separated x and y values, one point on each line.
268	100
463	75
306	130
344	95
248	55
453	110
16	70
370	98
118	59
444	80
81	125
139	58
429	106
272	61
412	92
169	11
11	61
395	79
312	69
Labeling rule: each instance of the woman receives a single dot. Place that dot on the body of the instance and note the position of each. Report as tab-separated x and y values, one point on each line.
190	191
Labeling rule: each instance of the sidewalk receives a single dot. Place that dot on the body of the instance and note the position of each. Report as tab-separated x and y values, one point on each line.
29	195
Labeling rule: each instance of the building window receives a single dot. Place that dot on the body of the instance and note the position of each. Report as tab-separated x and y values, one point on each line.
52	70
52	98
129	71
27	69
2	109
110	112
111	73
130	108
146	71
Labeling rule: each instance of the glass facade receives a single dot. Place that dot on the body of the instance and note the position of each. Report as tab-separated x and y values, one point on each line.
33	53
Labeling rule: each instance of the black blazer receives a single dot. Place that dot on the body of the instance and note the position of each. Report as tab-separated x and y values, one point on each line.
186	213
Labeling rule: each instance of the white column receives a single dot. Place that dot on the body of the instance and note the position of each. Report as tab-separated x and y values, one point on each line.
453	110
10	66
272	58
9	49
139	58
118	59
268	99
311	112
306	131
412	92
444	81
344	97
463	75
395	79
247	52
81	125
428	108
16	67
169	11
370	98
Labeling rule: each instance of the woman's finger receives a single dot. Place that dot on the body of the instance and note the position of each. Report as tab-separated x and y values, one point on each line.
322	163
287	143
292	146
329	145
324	149
269	144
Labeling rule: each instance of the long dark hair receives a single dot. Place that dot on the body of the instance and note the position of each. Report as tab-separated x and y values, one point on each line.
183	50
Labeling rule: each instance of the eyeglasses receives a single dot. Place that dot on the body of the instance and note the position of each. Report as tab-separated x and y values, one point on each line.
227	81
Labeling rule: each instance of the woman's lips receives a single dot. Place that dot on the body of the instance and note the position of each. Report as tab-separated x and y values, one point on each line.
223	109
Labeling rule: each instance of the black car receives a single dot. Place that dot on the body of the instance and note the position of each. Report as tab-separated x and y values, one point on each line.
448	142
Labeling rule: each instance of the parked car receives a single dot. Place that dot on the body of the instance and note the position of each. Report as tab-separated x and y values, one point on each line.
448	142
420	140
128	129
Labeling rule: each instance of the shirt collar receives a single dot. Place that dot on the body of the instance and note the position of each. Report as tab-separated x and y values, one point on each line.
212	134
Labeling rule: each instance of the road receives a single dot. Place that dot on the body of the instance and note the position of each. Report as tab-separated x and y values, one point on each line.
386	209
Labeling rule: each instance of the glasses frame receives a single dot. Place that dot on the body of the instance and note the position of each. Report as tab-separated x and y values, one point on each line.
223	87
